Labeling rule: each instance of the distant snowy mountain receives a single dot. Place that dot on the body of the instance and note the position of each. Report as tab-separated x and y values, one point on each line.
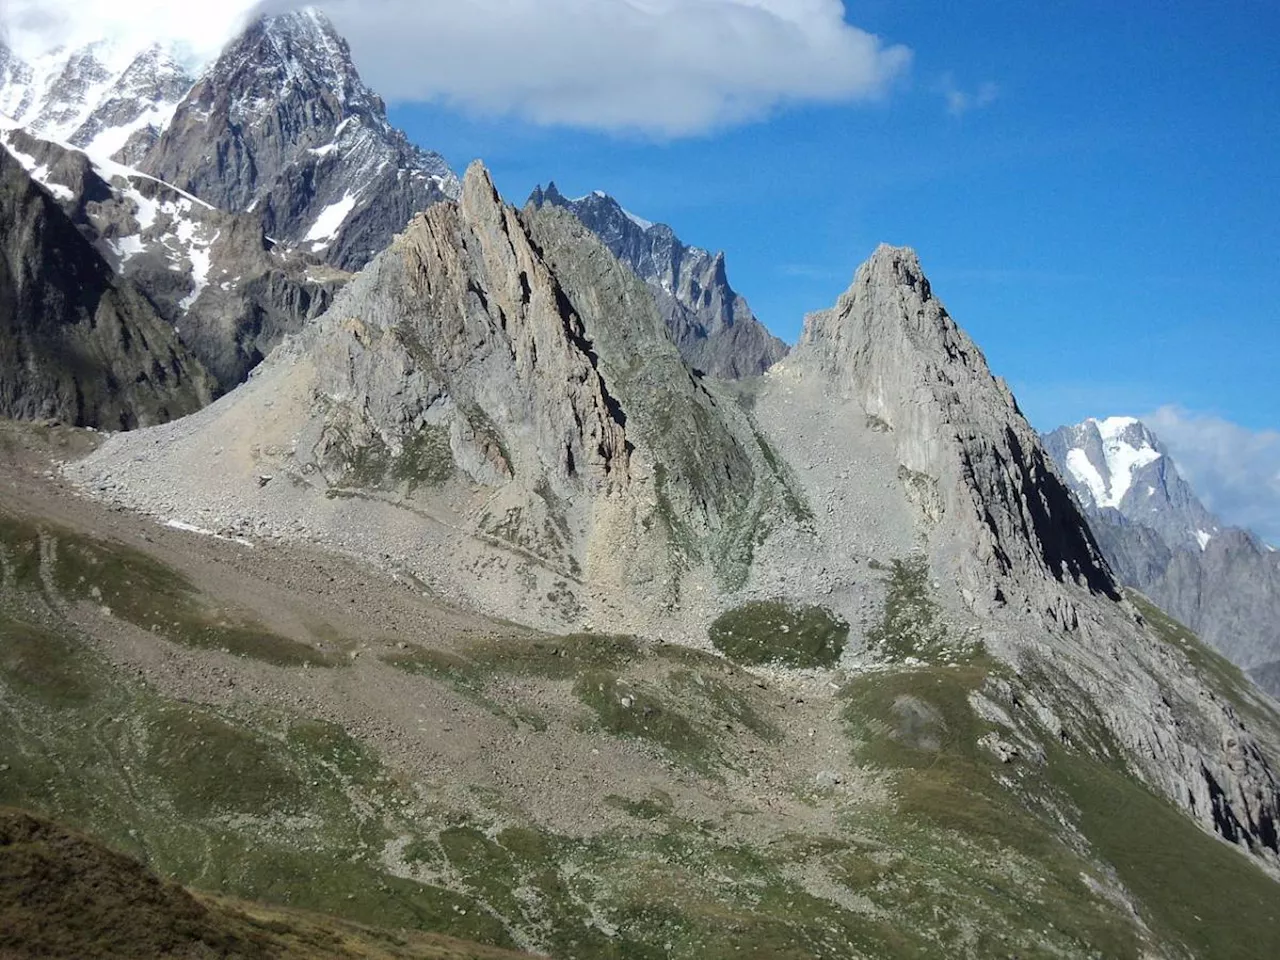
238	200
280	125
1118	464
107	99
711	324
1222	582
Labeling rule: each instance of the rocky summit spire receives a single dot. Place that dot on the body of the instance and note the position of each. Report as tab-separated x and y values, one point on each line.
968	457
282	125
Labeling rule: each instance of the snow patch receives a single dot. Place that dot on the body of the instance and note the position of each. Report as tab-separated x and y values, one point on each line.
1083	470
109	170
126	248
1112	427
192	528
1203	538
201	261
330	221
112	140
640	222
1122	461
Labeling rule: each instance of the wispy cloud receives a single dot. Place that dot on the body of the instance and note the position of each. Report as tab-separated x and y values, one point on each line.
199	30
1235	470
960	101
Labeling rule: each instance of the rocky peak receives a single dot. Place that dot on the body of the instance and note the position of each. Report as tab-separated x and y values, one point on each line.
294	54
281	124
460	314
984	485
711	324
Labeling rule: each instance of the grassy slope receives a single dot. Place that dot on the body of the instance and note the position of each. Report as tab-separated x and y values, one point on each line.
63	895
970	858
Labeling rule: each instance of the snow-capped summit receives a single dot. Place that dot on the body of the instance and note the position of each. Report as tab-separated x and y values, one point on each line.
281	124
1159	538
99	97
1108	455
1118	464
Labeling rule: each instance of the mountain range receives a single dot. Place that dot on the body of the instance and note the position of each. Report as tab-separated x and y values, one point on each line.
1221	581
493	573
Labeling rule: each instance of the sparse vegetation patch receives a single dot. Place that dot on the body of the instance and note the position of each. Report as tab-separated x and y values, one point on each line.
911	627
778	632
132	586
627	709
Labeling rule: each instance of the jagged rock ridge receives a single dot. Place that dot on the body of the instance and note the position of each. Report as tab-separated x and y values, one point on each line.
78	343
283	126
711	324
1222	582
463	377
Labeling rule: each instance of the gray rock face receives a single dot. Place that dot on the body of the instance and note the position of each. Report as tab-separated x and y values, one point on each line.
711	324
78	343
1222	583
967	457
231	294
282	126
996	519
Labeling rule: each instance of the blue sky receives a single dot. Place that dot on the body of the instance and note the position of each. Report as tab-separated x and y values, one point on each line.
1107	226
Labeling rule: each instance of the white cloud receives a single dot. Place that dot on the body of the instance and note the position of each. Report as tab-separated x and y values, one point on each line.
198	29
959	102
660	67
1236	471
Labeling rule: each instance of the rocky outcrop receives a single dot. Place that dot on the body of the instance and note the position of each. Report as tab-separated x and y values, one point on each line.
999	516
502	374
1223	583
80	344
711	324
282	126
231	293
995	518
